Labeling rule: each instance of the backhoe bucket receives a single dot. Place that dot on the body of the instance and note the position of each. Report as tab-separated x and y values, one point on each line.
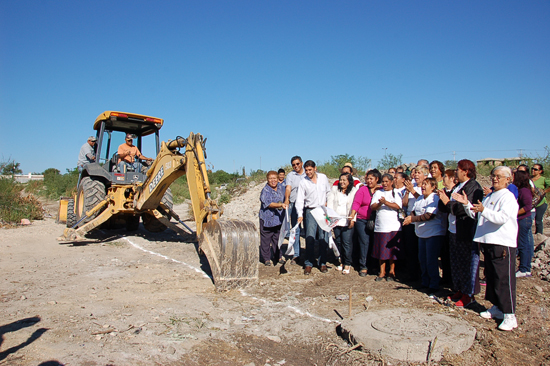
232	249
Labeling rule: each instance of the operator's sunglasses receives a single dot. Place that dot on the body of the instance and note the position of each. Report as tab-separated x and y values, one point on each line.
536	169
296	164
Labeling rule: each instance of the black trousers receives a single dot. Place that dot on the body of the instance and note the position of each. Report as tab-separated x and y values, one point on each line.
269	240
500	276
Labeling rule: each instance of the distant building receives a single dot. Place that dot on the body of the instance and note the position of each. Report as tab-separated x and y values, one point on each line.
513	162
24	178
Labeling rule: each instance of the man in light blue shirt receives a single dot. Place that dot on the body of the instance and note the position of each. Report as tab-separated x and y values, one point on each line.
87	153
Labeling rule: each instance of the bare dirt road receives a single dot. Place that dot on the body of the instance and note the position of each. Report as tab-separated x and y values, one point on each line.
142	299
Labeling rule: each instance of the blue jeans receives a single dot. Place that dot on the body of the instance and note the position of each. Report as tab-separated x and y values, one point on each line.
314	234
428	254
364	240
526	244
343	238
123	166
293	219
539	214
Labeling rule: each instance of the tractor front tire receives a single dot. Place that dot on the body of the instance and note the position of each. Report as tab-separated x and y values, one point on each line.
89	193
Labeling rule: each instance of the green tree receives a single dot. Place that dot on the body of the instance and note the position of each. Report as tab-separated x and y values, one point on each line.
336	162
450	164
10	168
50	173
390	161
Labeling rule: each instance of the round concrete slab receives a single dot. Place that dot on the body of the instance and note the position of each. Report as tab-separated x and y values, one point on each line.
406	334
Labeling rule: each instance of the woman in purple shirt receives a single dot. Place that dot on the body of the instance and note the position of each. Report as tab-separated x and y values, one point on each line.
525	221
271	217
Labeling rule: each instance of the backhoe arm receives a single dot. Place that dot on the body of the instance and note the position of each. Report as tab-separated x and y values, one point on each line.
171	164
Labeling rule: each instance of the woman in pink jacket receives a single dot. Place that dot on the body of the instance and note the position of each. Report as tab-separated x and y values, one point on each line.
364	218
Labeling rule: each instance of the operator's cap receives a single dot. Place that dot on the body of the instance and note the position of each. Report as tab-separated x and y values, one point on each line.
130	136
92	138
349	165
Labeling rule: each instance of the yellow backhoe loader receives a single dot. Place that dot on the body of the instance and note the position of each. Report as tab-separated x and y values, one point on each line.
109	191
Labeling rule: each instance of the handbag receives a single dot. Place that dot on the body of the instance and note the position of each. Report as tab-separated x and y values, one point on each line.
400	211
372	217
538	196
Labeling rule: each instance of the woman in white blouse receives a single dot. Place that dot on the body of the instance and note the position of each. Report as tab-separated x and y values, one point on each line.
430	228
340	199
386	202
496	231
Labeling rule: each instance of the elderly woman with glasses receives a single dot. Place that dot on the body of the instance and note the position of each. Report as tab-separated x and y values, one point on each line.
496	231
272	208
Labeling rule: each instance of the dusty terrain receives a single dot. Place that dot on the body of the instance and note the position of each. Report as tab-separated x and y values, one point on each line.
142	299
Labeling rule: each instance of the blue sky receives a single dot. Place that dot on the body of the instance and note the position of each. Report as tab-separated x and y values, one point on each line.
266	80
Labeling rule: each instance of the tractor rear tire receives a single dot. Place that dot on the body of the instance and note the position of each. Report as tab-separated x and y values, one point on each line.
71	215
89	193
151	223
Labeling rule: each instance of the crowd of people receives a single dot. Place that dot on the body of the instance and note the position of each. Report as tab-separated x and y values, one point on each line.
409	225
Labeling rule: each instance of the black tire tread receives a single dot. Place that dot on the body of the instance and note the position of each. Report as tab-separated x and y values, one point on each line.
71	215
94	192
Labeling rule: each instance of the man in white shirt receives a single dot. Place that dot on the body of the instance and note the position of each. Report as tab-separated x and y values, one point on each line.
312	193
293	180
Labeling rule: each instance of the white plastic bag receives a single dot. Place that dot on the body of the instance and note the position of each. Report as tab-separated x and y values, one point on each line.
326	218
291	240
285	229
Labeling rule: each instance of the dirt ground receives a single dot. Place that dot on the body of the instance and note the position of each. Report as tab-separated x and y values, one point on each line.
137	298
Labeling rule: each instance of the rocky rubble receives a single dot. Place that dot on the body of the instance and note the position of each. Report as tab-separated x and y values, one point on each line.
246	206
541	260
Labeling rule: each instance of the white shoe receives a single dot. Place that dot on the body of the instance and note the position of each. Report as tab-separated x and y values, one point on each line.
339	268
493	313
523	274
510	322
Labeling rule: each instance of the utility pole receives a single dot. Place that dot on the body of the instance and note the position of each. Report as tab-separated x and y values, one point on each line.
384	148
454	156
521	153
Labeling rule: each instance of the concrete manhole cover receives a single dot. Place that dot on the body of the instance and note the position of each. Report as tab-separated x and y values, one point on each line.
406	334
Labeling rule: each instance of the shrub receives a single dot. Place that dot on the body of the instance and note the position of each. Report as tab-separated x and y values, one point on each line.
180	190
14	207
57	185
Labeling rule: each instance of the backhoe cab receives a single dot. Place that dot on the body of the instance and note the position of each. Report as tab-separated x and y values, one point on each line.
104	174
112	128
107	195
